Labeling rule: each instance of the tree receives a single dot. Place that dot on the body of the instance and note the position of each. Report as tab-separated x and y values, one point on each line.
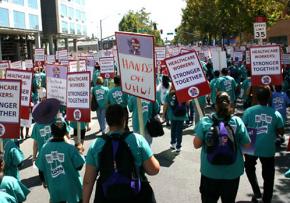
140	22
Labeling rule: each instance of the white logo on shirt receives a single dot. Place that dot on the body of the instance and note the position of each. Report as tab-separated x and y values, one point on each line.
54	159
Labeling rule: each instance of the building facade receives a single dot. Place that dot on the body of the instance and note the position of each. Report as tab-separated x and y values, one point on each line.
20	27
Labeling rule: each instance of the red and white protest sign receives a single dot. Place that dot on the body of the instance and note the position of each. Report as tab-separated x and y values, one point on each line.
10	93
63	55
238	56
78	97
39	55
187	76
28	64
160	53
26	78
137	64
50	59
56	76
266	65
73	66
82	65
16	65
3	66
107	67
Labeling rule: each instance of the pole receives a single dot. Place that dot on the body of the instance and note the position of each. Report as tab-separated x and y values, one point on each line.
78	69
198	108
140	116
101	34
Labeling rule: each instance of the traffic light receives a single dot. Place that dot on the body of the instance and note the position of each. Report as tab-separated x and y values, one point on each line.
175	30
161	31
154	26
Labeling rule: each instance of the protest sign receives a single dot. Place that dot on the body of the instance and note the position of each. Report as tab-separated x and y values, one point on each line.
3	66
219	60
78	97
266	65
286	59
107	67
136	60
50	59
39	55
187	76
63	55
28	64
26	78
56	82
16	65
238	56
10	93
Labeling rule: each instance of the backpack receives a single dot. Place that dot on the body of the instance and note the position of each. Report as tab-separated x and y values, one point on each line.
221	146
94	103
119	176
178	109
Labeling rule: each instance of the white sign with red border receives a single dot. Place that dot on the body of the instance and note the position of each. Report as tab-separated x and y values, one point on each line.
28	63
107	67
50	59
137	64
238	55
26	78
10	93
63	55
78	97
266	65
16	65
39	55
187	76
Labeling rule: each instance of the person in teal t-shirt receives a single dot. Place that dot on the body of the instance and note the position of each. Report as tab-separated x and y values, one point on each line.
213	89
11	185
59	164
6	198
177	122
96	74
220	180
13	158
142	154
147	111
101	94
265	124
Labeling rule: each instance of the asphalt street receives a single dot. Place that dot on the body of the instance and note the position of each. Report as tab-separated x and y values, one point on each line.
179	177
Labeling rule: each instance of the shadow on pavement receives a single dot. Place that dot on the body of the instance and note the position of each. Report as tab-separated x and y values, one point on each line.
91	136
32	181
26	163
166	157
243	202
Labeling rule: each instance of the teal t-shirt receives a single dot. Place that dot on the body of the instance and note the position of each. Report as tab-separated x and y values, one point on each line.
13	157
222	171
227	84
245	86
147	110
213	90
169	102
41	133
6	198
15	188
101	95
59	162
117	96
95	76
265	120
139	147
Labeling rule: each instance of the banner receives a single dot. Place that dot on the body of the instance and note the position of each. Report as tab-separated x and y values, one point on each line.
39	55
10	92
56	82
107	67
26	78
78	97
187	76
136	61
266	65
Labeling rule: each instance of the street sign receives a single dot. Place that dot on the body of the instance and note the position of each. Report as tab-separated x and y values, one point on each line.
260	30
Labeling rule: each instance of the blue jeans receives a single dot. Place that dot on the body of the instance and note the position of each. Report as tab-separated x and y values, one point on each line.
101	114
176	133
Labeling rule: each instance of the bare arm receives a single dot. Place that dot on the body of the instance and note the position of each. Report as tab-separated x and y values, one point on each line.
151	166
88	182
34	151
197	142
165	107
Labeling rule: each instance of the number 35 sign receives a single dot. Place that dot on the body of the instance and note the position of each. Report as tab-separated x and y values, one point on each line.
260	30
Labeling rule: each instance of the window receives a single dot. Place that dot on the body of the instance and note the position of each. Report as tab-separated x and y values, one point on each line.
19	19
33	4
85	30
64	27
78	1
20	2
33	22
72	28
70	12
63	10
79	31
4	20
78	15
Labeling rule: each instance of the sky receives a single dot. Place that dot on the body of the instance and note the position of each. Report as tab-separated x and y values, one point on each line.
166	13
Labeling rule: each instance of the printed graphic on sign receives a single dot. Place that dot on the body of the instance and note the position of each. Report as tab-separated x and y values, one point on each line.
266	65
78	96
187	76
10	93
137	65
56	82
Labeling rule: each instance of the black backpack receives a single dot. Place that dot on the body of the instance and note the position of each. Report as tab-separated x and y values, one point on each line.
178	109
119	176
221	146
